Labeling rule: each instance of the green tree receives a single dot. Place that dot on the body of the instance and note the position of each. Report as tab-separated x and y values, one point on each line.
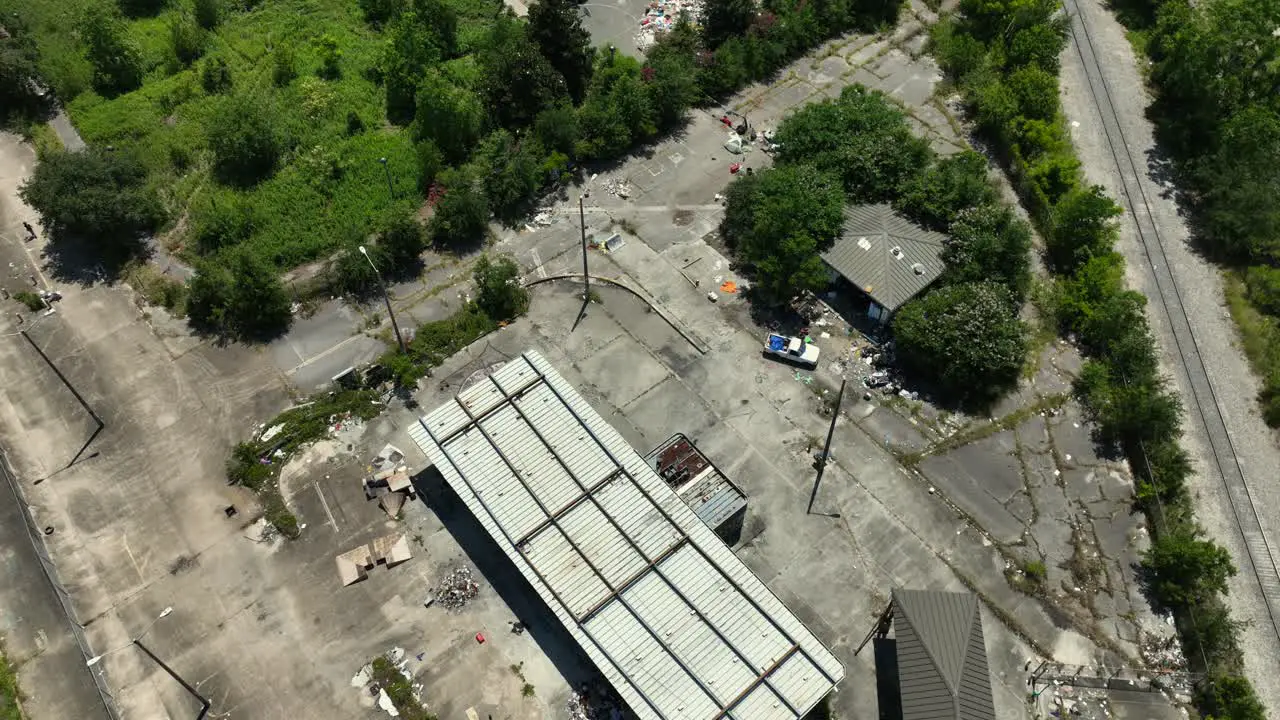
862	137
555	27
670	75
244	138
989	242
723	19
21	95
379	12
617	113
448	116
557	128
401	241
1037	92
965	339
1263	283
795	213
512	176
97	197
1083	226
413	44
949	186
1239	179
516	80
284	65
208	13
740	209
1186	569
498	289
1231	696
116	60
330	57
187	39
462	213
1127	411
238	295
1039	44
215	76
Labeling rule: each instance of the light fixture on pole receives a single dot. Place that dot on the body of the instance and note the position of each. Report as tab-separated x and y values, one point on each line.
205	703
386	298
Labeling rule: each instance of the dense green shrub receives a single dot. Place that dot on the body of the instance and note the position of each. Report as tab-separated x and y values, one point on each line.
862	138
778	221
116	59
187	38
989	242
460	214
208	13
947	187
237	295
20	96
1186	569
215	76
245	140
975	327
498	289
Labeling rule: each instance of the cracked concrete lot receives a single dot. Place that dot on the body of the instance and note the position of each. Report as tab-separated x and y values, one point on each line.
924	499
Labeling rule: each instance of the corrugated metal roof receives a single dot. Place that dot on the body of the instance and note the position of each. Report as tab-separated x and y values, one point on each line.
942	656
672	618
864	254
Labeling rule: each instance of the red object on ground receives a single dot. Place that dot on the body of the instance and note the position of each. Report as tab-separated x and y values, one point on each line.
734	168
480	638
726	121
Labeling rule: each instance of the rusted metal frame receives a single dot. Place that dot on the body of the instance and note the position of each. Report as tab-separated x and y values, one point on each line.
652	633
776	625
474	420
764	678
529	536
462	476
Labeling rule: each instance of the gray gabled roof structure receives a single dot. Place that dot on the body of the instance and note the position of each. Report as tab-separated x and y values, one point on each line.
671	617
942	656
885	255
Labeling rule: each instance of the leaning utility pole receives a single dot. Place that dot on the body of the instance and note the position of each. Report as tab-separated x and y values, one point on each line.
826	449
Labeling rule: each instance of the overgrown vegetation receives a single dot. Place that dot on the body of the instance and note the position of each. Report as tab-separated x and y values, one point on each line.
10	697
256	463
499	299
33	301
964	337
1003	57
399	689
290	130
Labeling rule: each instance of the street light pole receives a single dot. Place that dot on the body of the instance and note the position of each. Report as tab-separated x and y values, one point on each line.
205	703
390	186
826	449
586	278
386	298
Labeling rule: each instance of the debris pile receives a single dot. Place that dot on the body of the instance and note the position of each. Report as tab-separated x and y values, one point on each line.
661	16
457	589
1162	654
618	188
586	704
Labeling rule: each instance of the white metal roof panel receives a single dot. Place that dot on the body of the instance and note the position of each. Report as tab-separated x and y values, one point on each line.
671	617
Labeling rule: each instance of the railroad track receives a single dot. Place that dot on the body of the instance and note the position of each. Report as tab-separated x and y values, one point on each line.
1203	407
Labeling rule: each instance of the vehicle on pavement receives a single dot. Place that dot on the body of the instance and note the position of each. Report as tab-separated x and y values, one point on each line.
792	349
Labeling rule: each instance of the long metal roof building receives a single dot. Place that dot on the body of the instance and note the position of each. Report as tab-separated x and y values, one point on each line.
671	617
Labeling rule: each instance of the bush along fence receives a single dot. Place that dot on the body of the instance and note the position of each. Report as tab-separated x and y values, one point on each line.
1004	60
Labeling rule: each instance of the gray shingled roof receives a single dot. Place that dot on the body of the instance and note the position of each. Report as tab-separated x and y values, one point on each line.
942	657
864	254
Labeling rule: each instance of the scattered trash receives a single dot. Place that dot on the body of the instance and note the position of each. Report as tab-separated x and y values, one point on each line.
542	218
729	286
824	334
618	188
480	638
734	168
734	143
719	197
457	588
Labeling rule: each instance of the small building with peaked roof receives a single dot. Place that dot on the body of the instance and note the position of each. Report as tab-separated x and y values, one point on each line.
942	656
885	256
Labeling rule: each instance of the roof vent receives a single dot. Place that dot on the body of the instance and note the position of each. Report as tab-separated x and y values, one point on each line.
864	243
917	269
896	252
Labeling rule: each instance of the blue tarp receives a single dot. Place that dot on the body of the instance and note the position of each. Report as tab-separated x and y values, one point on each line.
777	343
